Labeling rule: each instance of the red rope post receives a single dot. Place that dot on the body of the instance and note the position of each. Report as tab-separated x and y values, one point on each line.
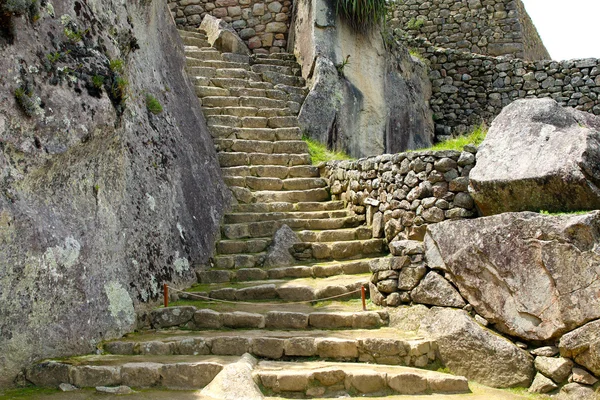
363	296
166	294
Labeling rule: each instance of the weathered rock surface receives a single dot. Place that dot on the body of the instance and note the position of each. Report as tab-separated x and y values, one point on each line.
556	368
541	384
101	200
278	253
538	156
475	352
583	346
235	382
222	36
534	277
436	291
576	391
375	103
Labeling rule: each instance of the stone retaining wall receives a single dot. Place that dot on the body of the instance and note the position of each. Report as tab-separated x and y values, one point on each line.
402	193
493	27
470	88
262	24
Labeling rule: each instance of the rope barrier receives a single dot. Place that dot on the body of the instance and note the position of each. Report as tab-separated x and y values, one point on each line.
269	304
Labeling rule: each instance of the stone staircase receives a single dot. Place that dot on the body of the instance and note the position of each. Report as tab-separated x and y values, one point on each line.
303	321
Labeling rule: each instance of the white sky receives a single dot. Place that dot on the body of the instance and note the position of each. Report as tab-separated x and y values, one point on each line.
569	28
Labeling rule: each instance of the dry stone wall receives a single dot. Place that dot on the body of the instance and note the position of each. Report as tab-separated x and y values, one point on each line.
492	27
262	24
402	193
471	88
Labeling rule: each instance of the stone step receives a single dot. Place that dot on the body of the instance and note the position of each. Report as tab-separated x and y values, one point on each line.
266	229
285	70
239	159
273	171
200	43
234	218
237	73
276	56
262	102
336	235
331	379
239	261
186	370
252	112
205	72
190	62
209	54
277	78
206	91
344	250
274	61
254	183
201	81
300	91
238	58
382	346
196	34
291	196
342	287
254	146
321	270
260	134
287	206
202	318
220	101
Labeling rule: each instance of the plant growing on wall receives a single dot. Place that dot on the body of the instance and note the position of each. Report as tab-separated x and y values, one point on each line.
362	14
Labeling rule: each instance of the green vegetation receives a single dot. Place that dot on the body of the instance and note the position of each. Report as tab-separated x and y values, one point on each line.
544	212
153	105
74	36
340	67
19	7
25	100
475	137
119	89
319	152
53	57
362	14
524	392
415	24
26	393
116	66
98	81
417	54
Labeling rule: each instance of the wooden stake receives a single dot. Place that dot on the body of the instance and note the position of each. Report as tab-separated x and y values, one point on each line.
166	294
363	296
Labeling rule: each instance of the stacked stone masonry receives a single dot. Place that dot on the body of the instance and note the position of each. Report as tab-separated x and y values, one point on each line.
402	193
262	24
469	89
492	27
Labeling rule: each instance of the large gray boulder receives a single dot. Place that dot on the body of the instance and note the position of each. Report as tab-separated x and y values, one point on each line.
101	200
222	36
470	350
583	346
235	382
376	103
278	253
538	156
534	277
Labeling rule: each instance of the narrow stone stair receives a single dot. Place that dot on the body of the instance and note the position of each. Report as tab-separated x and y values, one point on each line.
287	316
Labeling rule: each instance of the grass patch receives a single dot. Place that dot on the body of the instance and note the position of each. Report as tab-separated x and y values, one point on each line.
153	105
544	212
362	14
475	138
319	152
26	393
519	391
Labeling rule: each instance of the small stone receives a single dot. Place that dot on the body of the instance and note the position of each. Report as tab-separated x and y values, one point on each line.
582	376
114	390
557	369
481	321
541	384
546	351
67	387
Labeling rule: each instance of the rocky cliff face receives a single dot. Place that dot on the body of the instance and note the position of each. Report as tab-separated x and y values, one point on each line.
366	98
103	196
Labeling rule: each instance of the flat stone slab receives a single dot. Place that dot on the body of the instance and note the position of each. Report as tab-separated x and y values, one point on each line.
323	378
